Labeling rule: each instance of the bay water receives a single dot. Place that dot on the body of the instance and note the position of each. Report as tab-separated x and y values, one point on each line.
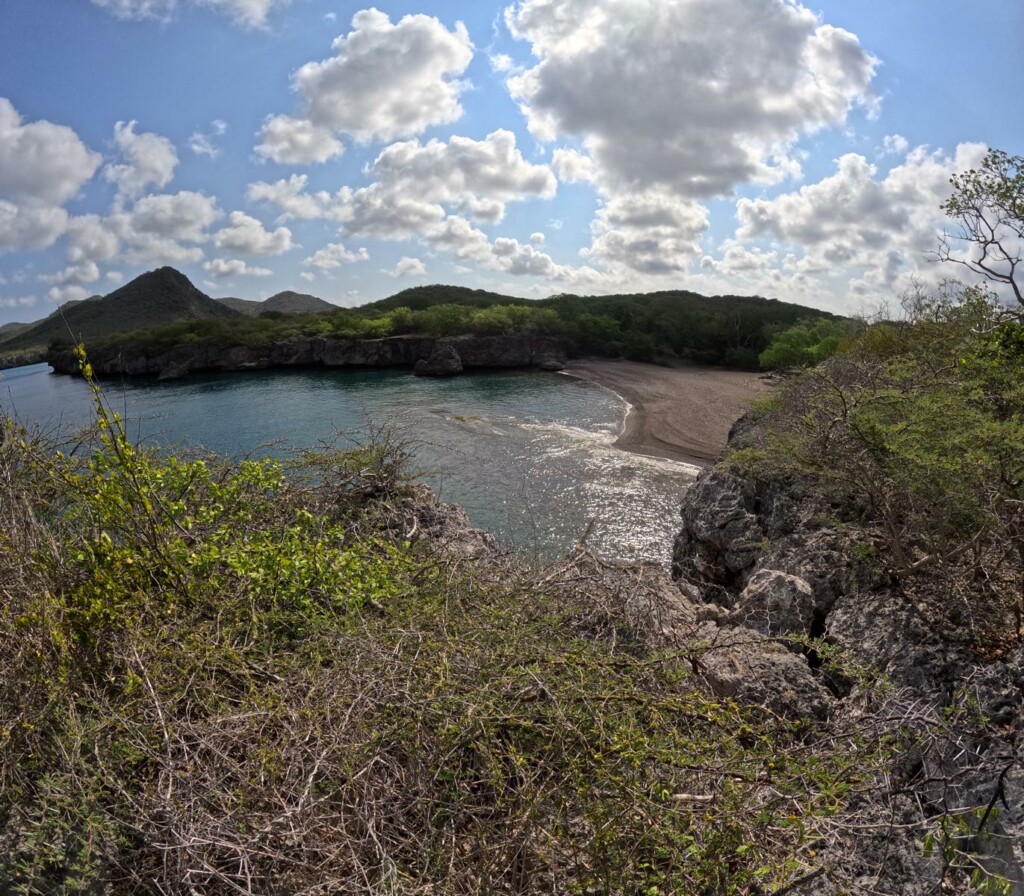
529	455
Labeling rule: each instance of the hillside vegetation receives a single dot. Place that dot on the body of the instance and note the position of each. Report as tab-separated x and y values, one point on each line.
254	678
914	432
156	298
667	328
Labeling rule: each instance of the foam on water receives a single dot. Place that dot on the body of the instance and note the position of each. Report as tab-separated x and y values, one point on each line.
530	456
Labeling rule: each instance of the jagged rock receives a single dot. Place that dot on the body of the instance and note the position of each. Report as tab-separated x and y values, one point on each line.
734	661
721	538
443	361
477	352
445	526
884	630
776	603
742	664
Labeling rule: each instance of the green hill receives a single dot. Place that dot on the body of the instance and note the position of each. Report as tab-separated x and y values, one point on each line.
243	306
9	331
286	302
289	302
154	299
419	298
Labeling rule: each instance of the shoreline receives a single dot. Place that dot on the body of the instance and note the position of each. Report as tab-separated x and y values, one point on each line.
682	414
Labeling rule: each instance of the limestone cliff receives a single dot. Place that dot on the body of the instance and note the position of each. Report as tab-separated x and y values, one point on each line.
775	560
471	352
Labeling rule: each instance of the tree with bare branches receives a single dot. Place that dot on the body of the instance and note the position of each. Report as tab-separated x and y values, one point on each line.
988	204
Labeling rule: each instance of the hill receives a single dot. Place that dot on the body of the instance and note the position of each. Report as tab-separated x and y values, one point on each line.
9	331
419	298
154	299
289	302
243	306
286	302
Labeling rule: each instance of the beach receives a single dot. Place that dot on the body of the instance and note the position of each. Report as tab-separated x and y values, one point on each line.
679	413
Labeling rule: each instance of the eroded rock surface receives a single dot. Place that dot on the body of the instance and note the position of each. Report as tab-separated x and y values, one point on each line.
762	557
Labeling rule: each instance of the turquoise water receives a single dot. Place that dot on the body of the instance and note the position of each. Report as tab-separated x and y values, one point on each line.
529	455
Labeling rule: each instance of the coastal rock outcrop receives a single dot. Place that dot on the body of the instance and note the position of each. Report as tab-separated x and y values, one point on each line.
777	561
443	361
472	352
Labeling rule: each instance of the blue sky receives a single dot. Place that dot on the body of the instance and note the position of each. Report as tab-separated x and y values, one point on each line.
531	147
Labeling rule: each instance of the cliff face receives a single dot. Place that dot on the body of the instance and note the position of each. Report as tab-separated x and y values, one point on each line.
774	560
473	352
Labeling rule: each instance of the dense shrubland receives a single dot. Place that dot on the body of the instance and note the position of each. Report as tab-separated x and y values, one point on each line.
668	328
253	677
914	431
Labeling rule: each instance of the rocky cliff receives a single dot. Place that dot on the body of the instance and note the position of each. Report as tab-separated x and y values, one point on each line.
767	559
470	352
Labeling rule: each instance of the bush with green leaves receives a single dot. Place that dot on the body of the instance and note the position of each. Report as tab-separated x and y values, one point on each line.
808	343
247	677
915	431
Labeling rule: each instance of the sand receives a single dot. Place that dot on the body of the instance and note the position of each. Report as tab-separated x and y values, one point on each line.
679	413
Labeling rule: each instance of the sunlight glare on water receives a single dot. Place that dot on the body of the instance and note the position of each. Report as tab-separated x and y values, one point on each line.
529	455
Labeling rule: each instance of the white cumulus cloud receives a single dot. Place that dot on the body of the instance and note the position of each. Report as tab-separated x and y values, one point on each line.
148	160
297	141
697	96
247	235
856	220
42	166
408	267
334	255
386	81
233	267
248	13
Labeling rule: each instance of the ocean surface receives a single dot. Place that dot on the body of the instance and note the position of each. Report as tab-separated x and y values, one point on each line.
528	455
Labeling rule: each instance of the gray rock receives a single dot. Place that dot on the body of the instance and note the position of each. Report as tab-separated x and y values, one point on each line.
776	603
444	361
721	538
742	664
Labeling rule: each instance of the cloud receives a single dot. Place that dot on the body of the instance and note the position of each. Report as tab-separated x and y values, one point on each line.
202	144
408	267
18	302
857	220
297	141
573	166
149	160
223	268
417	183
85	272
41	163
334	255
165	228
365	93
89	239
652	232
30	227
247	235
62	294
696	97
291	197
248	13
477	175
895	145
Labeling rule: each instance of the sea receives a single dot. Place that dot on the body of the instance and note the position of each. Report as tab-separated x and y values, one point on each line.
529	455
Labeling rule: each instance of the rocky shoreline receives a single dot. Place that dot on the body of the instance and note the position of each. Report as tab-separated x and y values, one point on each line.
760	568
426	355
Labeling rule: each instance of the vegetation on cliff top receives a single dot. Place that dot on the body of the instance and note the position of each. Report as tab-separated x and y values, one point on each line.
253	678
668	328
914	429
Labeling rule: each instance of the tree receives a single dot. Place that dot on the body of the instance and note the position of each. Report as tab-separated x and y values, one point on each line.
988	204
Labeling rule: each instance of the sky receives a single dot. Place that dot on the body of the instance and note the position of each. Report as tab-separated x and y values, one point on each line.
532	147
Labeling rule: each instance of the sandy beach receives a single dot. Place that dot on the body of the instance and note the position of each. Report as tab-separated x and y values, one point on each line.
680	413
